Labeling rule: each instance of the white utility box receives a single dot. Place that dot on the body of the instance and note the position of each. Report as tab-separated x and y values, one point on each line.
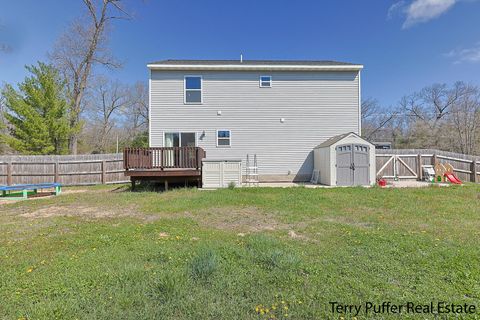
221	173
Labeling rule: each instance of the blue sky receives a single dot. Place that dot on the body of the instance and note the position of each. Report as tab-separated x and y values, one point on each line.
404	45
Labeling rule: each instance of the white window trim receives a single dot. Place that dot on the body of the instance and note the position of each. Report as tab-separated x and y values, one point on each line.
185	89
180	136
230	138
150	109
260	81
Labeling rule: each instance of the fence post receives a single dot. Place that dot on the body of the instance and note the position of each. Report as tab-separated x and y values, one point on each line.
9	173
473	169
125	159
419	167
104	175
55	171
434	159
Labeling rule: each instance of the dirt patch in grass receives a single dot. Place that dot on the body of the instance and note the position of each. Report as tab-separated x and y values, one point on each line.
292	234
249	219
60	211
7	201
73	191
79	211
246	219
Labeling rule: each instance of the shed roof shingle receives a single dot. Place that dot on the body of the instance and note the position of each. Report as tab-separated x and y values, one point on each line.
335	139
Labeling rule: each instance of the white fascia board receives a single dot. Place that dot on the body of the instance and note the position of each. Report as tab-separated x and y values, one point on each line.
255	67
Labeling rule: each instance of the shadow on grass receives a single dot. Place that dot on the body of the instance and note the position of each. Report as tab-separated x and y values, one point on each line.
152	186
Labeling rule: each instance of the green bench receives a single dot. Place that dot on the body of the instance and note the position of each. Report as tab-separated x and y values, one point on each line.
20	191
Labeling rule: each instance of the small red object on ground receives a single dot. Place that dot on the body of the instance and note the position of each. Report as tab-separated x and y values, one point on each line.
452	178
382	182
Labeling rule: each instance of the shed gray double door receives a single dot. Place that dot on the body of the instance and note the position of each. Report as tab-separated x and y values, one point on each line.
353	165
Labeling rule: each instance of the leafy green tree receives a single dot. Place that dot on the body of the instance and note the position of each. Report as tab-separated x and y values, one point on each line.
37	113
140	140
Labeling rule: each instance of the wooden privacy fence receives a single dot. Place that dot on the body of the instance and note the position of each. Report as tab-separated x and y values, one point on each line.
67	170
109	168
409	163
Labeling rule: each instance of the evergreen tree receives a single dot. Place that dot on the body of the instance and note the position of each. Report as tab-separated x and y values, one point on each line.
37	113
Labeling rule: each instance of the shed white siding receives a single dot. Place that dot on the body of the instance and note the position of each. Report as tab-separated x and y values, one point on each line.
315	105
322	164
325	159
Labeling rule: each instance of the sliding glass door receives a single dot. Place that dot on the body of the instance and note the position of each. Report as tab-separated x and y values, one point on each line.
179	157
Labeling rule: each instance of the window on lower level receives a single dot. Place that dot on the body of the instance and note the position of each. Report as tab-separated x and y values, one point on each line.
223	138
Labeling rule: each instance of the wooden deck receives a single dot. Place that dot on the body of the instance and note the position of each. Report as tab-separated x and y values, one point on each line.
168	164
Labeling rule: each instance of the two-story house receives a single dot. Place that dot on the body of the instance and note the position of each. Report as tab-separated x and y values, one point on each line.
278	110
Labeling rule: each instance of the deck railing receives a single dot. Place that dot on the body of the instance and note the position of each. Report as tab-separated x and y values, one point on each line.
163	158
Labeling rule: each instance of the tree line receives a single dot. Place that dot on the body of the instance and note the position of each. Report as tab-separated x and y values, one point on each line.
438	116
68	105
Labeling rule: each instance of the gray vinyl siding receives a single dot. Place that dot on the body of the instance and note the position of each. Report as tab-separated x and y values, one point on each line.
315	106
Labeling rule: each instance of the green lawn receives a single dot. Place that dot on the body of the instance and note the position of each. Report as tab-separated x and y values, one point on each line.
252	253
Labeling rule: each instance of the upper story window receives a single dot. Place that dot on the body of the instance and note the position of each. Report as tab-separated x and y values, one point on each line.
223	138
193	90
265	81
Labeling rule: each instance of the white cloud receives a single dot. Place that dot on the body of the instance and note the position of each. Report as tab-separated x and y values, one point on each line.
425	10
396	8
460	55
419	11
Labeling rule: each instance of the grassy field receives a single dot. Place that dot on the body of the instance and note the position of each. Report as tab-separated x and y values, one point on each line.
107	253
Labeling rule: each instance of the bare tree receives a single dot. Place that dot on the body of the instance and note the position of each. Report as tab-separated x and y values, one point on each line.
439	116
435	102
3	124
375	119
105	106
370	107
2	107
137	114
82	47
427	113
465	120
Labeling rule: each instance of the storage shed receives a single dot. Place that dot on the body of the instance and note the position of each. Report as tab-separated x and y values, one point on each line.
218	173
344	160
